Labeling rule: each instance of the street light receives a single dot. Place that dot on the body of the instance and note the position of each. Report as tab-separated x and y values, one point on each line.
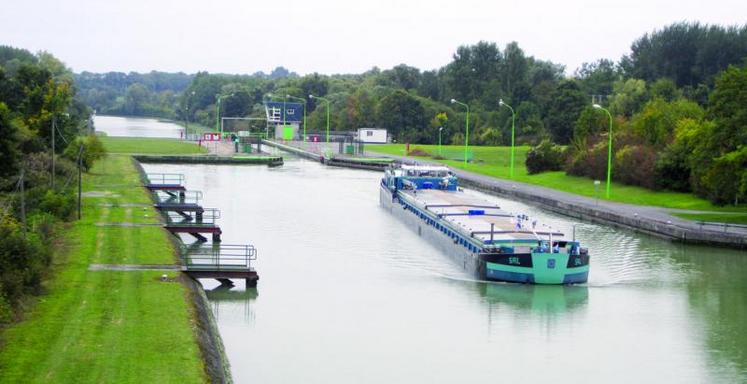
218	125
326	101
466	128
186	116
513	131
439	140
304	112
609	149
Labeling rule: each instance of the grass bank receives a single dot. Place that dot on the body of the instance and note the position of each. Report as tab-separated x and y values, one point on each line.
108	326
495	162
142	145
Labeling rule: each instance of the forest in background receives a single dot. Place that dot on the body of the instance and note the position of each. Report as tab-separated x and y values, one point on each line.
674	98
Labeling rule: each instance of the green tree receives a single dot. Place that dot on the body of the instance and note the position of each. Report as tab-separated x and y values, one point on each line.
598	77
403	115
688	53
657	120
664	88
401	76
565	107
136	97
720	158
9	154
628	97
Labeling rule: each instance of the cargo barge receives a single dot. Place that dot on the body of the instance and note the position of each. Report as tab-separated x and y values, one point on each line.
483	239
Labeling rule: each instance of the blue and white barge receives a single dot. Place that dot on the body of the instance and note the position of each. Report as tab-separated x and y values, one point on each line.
482	238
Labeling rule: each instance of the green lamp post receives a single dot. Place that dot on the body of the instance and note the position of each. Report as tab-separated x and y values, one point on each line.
513	134
609	149
327	102
466	128
439	139
218	126
304	112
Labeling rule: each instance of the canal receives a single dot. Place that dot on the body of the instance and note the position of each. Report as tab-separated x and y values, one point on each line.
348	293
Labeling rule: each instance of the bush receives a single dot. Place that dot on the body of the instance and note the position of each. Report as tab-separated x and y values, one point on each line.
93	150
591	162
634	165
6	312
725	180
37	167
59	204
545	157
418	152
23	260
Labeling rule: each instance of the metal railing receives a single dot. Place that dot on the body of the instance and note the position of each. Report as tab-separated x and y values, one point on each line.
165	178
218	257
726	226
184	197
207	217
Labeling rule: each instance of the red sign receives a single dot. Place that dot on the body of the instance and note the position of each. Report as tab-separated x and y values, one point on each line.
211	136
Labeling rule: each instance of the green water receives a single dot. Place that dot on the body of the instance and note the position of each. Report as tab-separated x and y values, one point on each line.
349	294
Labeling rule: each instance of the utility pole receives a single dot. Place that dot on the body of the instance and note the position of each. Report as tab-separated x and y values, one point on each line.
80	183
23	202
54	127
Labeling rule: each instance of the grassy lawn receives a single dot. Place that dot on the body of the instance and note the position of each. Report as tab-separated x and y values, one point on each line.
142	145
106	326
494	161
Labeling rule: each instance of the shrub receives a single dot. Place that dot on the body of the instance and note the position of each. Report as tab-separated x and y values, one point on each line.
418	152
634	165
545	157
725	181
59	204
591	162
23	260
93	150
6	312
37	167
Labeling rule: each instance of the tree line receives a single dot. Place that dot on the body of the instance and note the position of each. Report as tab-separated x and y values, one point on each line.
669	75
38	111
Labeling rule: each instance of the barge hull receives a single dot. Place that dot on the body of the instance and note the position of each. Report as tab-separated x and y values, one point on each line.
544	268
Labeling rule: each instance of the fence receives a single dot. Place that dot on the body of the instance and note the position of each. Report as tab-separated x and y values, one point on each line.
218	257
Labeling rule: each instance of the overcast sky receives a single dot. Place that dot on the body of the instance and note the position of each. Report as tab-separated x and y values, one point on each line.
334	36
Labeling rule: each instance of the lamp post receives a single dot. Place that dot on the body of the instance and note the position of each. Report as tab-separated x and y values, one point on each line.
439	140
609	150
466	128
186	116
304	112
326	101
513	132
218	125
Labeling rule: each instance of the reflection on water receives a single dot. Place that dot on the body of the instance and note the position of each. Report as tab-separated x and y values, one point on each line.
717	293
226	299
541	300
351	294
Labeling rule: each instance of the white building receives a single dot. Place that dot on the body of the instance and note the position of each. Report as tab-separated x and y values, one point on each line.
372	135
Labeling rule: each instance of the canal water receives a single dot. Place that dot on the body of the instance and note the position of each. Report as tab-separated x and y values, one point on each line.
135	126
349	294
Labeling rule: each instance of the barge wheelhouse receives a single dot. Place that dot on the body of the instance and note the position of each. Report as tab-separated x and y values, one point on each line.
481	237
